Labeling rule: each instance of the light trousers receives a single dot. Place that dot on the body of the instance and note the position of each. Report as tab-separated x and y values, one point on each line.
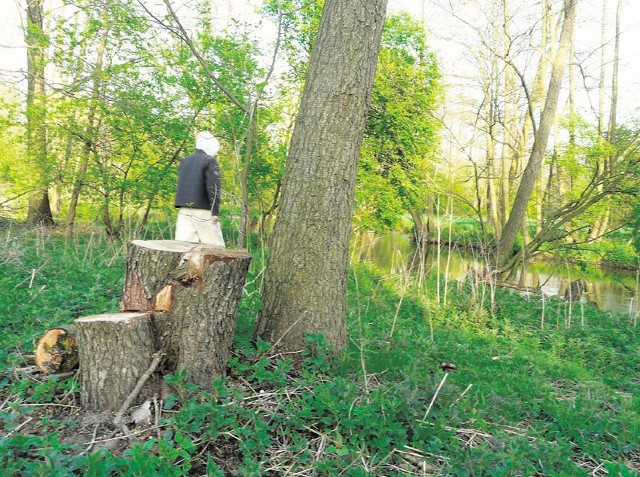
195	225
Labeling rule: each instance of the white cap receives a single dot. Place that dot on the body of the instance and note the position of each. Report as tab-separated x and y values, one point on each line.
208	143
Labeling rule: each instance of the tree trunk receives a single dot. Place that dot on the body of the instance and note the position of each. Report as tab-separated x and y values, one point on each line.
599	222
193	290
244	179
306	277
613	114
115	350
90	132
519	208
39	211
610	158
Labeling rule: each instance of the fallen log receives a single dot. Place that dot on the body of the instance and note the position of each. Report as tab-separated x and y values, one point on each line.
57	350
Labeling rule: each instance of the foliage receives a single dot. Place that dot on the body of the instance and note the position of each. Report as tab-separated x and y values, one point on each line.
127	105
401	135
556	400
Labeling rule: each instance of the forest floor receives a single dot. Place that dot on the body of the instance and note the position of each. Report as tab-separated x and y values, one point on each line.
469	382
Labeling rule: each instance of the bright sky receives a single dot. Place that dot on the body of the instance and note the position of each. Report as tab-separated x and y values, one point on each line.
444	36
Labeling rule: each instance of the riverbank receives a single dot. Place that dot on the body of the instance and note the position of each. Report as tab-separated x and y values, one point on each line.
436	381
615	289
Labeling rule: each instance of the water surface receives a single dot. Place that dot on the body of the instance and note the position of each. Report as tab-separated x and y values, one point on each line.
610	289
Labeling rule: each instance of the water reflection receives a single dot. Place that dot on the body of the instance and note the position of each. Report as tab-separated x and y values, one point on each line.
611	290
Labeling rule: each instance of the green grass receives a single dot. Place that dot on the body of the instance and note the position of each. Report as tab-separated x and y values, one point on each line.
563	399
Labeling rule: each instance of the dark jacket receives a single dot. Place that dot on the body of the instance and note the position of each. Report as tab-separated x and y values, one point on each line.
199	183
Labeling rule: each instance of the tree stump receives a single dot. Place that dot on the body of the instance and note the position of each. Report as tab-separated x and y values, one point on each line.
115	350
193	290
57	350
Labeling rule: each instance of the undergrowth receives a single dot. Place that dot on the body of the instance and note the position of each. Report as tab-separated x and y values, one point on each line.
466	388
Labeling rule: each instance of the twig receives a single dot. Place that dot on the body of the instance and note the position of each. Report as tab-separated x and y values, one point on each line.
4	403
19	427
125	436
93	440
57	377
462	395
117	420
287	332
32	276
433	399
49	404
157	410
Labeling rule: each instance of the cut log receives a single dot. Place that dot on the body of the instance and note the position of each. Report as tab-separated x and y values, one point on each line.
193	290
57	350
115	350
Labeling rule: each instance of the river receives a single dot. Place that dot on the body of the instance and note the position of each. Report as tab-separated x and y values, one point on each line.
611	290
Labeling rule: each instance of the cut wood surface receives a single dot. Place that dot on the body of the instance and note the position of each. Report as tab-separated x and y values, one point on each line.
115	350
155	267
57	350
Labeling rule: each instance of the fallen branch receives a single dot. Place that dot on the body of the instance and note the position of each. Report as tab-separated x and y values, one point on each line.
117	420
433	400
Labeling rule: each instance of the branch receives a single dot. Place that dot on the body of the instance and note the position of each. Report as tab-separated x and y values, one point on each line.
117	420
185	37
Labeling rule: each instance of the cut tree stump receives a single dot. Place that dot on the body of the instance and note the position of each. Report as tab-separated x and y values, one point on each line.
192	290
115	350
57	350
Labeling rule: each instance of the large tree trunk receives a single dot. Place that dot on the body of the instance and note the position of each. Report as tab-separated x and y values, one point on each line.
528	182
193	291
306	277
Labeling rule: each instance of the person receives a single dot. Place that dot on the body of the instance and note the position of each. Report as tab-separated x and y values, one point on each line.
198	193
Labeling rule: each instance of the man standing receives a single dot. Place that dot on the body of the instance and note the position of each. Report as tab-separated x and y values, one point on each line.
198	193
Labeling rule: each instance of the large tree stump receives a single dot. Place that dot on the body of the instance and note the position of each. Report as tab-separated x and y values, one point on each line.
115	350
193	291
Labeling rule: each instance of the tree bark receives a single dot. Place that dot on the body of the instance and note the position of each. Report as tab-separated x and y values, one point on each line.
193	291
306	277
114	350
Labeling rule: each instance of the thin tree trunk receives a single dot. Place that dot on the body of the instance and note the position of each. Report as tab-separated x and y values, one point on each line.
609	161
519	208
244	221
39	211
507	159
599	222
90	132
614	80
491	114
